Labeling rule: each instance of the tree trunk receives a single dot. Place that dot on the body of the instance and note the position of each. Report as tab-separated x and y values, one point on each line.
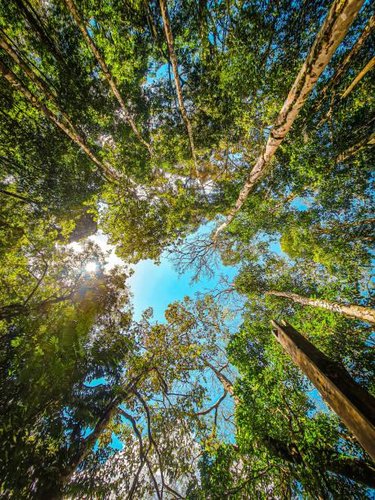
352	150
43	87
88	443
344	65
369	66
227	384
335	27
36	24
15	82
174	63
352	310
354	405
351	468
107	74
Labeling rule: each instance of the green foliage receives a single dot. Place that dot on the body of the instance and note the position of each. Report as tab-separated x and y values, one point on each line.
78	374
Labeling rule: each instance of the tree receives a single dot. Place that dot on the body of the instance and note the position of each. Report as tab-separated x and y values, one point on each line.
332	32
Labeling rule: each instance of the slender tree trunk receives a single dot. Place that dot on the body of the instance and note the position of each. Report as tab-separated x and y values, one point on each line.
335	27
344	65
107	74
43	87
88	443
174	63
36	24
352	150
15	82
353	311
351	468
369	66
226	383
20	197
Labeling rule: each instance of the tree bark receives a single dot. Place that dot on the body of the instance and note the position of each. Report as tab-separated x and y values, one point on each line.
43	87
352	150
352	403
369	66
107	74
226	383
174	63
352	310
344	65
335	27
16	83
36	24
351	468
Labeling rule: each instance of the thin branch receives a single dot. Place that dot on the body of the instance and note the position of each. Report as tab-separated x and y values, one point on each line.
151	439
214	406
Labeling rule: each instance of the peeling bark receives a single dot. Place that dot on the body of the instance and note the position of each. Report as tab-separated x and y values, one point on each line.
335	27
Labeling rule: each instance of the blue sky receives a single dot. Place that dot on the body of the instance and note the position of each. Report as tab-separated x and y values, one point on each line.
157	286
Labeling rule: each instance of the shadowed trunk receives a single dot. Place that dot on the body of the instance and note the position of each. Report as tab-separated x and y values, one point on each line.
351	468
174	63
15	82
43	87
107	74
344	65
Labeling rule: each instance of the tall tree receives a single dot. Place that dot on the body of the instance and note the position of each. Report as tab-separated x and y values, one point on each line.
334	29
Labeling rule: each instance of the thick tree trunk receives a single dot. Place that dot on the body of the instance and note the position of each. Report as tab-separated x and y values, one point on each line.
174	63
335	27
351	468
352	310
15	82
369	66
353	404
107	74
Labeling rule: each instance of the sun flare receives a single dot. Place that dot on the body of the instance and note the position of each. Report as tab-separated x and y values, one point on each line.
91	267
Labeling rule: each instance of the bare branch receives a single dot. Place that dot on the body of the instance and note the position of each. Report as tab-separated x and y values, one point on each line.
214	406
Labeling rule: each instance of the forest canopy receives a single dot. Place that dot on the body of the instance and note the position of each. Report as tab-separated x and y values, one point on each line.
209	133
